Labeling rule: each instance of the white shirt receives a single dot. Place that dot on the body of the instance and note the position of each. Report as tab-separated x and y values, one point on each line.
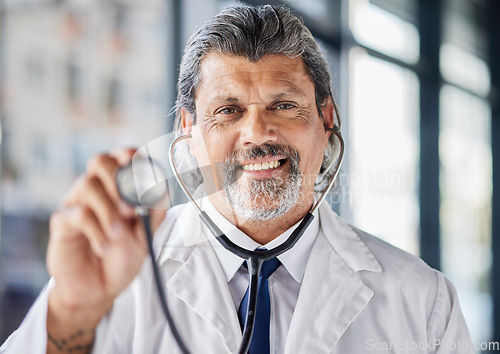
284	283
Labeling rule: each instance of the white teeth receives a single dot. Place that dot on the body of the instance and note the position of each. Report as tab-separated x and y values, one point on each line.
261	166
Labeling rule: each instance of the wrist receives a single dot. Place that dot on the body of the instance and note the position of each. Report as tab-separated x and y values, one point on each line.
64	313
81	341
71	326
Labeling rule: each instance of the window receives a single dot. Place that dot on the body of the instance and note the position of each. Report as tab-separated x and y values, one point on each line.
466	162
384	123
466	187
383	148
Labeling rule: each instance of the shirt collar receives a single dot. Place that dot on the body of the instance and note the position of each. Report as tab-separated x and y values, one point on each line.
294	260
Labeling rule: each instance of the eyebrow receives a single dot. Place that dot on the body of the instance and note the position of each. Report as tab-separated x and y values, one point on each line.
288	91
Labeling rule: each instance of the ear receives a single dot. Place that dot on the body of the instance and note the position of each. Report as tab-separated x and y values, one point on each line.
328	114
186	121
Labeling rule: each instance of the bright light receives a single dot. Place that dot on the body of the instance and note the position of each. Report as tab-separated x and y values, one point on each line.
464	69
466	188
385	32
384	150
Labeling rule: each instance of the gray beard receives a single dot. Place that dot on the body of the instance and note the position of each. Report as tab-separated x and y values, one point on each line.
268	198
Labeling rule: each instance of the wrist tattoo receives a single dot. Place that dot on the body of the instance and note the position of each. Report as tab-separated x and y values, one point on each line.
66	345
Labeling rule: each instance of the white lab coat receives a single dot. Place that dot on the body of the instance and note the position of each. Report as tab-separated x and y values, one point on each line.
359	295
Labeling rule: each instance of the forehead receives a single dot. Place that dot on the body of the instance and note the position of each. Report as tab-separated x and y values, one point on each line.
222	72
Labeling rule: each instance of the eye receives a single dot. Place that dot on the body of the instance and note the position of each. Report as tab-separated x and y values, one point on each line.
227	110
284	106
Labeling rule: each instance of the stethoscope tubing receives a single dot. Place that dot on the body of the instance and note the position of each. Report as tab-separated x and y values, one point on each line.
144	214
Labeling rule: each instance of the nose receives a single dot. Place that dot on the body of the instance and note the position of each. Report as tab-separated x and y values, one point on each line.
257	129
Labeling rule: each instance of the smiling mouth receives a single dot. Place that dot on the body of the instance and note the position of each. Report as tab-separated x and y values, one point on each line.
268	165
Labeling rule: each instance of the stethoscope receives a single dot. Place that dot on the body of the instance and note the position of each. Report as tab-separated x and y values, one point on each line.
254	259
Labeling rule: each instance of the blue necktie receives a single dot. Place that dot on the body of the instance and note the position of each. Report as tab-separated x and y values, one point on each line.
260	339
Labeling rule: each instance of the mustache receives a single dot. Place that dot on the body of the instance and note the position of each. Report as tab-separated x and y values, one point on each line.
264	150
231	164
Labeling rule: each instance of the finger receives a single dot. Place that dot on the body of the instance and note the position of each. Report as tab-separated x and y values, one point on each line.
105	167
91	193
69	224
123	155
140	238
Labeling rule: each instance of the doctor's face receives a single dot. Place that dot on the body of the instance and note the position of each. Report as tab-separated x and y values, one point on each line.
258	126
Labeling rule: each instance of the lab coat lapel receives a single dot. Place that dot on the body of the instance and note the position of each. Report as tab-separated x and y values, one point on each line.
201	285
332	293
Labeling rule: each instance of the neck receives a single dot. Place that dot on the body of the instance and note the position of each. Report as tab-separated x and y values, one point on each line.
265	231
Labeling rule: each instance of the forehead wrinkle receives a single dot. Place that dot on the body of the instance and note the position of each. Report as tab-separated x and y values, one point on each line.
288	91
292	83
233	83
225	98
211	65
252	73
226	74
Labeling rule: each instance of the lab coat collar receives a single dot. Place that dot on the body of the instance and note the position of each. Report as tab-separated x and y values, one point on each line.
346	242
332	294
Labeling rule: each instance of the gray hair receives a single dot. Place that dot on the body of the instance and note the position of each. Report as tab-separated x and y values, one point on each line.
254	32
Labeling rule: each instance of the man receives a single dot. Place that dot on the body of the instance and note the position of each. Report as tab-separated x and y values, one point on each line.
254	92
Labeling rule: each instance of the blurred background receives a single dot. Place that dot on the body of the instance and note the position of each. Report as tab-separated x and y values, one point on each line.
417	86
